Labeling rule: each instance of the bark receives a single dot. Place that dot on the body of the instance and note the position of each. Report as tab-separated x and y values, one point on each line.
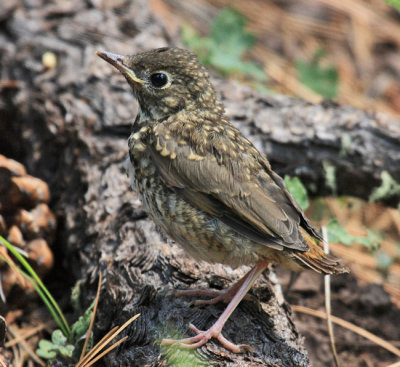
69	125
304	140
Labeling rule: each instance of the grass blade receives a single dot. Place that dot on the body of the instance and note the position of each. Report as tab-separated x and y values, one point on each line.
38	284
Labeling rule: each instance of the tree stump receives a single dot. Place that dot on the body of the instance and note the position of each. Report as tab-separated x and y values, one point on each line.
69	124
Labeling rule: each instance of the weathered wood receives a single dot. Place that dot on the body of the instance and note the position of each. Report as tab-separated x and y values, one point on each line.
70	124
302	139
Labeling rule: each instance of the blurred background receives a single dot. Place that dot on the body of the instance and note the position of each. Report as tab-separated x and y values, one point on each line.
346	51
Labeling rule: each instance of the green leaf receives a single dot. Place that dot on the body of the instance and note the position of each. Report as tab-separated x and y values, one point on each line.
75	297
394	3
345	144
389	187
383	260
178	357
226	45
320	79
199	44
58	346
80	327
66	351
298	190
229	34
330	176
46	349
337	233
58	338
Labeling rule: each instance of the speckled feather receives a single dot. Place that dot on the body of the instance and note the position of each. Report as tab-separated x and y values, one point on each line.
203	182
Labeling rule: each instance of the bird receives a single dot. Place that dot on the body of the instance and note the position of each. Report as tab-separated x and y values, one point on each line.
207	186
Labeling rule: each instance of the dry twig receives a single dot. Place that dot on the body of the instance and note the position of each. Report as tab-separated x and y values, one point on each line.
92	319
93	355
24	345
348	325
28	334
327	282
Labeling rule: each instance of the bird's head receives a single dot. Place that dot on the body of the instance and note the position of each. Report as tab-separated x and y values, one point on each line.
166	81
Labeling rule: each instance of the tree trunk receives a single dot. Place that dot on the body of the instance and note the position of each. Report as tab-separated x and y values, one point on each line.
69	125
307	140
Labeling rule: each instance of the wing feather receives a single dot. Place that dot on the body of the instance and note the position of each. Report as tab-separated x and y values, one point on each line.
243	192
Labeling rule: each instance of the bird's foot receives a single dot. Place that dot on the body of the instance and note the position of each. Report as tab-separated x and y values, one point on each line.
203	337
225	295
216	296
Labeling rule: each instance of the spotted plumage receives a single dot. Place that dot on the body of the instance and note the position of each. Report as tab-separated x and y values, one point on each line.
201	180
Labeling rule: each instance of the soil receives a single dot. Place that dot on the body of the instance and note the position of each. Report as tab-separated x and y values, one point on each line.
70	128
367	306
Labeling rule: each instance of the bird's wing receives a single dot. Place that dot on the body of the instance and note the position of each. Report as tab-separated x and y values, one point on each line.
230	180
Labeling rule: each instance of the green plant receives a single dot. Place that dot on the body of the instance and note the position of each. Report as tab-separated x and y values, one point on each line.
80	327
330	176
225	46
389	187
66	343
337	233
383	261
320	79
176	356
298	190
60	346
345	144
40	288
394	3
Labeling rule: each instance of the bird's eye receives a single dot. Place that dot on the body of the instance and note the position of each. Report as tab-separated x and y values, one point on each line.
159	80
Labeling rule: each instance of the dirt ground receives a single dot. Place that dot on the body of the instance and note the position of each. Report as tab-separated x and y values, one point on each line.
368	297
367	306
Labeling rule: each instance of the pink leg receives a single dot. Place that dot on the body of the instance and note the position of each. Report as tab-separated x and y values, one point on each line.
214	331
225	295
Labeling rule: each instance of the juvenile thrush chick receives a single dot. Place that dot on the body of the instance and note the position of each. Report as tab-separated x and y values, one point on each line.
206	185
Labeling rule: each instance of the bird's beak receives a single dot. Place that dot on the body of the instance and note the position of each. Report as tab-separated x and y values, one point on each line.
117	61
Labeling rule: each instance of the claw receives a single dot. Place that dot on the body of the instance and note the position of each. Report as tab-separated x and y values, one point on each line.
225	295
217	296
234	294
203	337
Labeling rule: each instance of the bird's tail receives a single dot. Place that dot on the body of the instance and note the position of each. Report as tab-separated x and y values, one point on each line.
316	259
